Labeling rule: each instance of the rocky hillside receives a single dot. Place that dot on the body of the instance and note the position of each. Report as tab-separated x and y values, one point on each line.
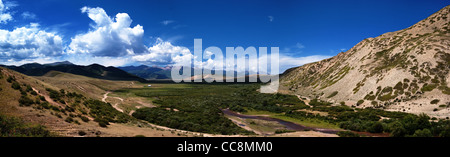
406	70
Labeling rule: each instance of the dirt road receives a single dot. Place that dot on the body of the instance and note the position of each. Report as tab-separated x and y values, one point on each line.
116	105
306	101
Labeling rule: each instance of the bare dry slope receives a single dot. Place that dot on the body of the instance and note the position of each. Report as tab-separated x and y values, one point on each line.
400	71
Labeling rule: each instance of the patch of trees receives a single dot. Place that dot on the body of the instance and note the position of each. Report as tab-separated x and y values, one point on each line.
104	113
281	131
210	120
398	124
276	103
347	134
408	126
205	101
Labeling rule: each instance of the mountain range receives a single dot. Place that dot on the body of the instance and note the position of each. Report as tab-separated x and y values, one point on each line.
147	72
93	70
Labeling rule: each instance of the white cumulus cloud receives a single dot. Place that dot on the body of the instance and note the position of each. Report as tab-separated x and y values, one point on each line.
163	52
28	42
4	15
109	37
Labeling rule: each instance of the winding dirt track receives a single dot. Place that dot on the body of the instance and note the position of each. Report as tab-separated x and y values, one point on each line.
47	98
305	101
105	96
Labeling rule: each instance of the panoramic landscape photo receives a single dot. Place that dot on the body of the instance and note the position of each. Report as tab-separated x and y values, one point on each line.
224	68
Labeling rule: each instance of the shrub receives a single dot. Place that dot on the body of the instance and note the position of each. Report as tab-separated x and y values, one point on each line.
45	105
359	102
280	131
58	115
428	87
435	101
81	133
445	132
347	134
33	93
397	129
333	94
28	88
237	108
10	79
84	119
37	101
55	95
374	103
69	120
15	86
387	97
370	97
102	124
423	133
42	98
399	86
387	89
100	120
376	127
25	101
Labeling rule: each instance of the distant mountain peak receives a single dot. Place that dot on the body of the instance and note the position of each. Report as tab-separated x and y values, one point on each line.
60	63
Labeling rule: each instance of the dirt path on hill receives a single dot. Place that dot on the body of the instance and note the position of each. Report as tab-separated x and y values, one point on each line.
105	96
47	98
306	101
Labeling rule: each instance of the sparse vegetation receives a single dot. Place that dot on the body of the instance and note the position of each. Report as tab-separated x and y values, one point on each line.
15	127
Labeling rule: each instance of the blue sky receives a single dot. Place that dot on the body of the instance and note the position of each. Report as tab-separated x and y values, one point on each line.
305	31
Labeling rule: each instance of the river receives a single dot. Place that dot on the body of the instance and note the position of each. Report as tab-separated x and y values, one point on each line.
288	125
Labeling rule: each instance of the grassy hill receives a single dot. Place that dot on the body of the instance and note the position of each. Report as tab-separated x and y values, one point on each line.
34	107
